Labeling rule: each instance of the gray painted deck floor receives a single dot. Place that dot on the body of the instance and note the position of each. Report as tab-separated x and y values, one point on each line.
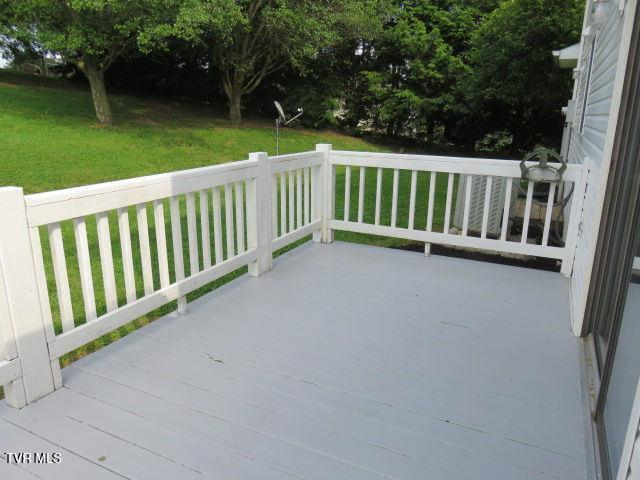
344	362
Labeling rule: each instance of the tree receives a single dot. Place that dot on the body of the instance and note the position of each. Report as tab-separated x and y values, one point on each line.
513	85
277	33
409	92
325	88
94	33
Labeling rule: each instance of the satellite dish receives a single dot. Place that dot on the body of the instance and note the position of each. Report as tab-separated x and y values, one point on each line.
280	111
282	120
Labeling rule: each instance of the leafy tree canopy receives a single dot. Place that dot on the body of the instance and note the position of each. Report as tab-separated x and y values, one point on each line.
418	60
94	33
274	34
513	84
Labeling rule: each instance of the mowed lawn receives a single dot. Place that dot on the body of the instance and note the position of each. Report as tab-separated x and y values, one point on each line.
50	140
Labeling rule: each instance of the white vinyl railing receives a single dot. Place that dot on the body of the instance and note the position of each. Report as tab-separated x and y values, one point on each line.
67	277
452	170
296	197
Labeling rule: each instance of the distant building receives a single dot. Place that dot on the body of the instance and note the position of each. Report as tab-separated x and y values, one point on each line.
43	67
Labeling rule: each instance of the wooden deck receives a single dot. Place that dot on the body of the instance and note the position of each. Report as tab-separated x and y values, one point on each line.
344	362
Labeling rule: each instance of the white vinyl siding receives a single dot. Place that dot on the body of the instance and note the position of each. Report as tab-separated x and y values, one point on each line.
588	141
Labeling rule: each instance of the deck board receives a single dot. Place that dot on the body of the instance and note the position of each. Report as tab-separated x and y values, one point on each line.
345	361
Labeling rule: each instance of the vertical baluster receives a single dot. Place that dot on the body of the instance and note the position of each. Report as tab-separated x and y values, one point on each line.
178	258
412	199
548	214
394	198
291	206
192	234
378	195
314	193
527	213
467	204
145	248
299	198
274	206
447	208
240	217
432	200
217	224
204	229
61	276
127	254
507	208
106	261
84	265
347	192
228	219
307	194
161	243
253	215
361	186
317	198
283	204
485	211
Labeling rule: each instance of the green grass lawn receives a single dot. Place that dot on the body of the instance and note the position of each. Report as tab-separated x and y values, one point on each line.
50	140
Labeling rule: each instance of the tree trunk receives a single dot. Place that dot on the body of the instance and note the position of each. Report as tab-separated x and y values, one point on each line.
235	102
98	91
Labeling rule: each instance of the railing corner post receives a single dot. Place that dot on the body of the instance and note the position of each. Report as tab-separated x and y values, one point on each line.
22	320
575	219
328	192
259	215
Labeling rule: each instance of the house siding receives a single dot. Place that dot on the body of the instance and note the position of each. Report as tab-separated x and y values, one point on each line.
591	144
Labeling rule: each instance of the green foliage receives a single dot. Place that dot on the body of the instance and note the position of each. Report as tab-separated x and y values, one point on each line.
468	75
494	142
77	27
275	34
401	82
460	74
513	85
92	34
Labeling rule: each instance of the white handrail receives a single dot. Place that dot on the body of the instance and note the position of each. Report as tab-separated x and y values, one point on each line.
438	163
59	205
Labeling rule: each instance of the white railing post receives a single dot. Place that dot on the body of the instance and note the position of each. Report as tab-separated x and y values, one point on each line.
22	303
575	219
328	192
317	199
259	215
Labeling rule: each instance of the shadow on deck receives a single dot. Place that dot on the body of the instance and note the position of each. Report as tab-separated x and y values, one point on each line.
344	362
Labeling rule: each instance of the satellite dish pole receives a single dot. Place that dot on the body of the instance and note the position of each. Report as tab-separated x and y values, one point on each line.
282	120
